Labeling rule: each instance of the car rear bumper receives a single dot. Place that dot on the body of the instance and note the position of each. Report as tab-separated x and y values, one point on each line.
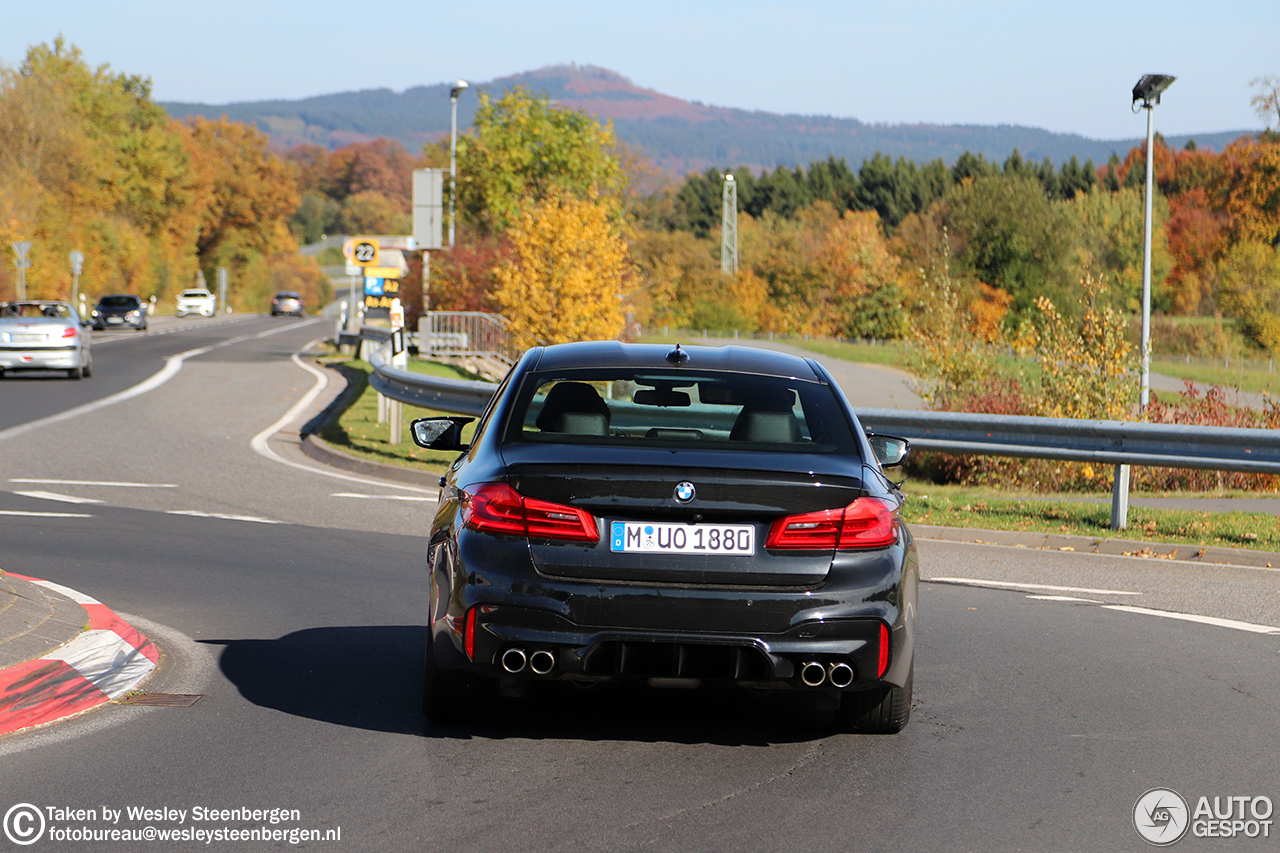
39	359
686	634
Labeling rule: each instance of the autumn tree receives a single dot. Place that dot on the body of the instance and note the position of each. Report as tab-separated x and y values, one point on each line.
1086	363
1250	187
567	274
240	187
89	161
523	150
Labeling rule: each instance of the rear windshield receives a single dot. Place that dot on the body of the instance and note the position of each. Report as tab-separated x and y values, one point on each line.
724	411
286	294
35	309
118	302
196	294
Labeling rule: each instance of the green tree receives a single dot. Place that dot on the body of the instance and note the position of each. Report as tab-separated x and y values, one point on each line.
523	150
1012	237
1249	289
1109	226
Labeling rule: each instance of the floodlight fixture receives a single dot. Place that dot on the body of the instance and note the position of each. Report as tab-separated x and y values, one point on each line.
1149	88
457	89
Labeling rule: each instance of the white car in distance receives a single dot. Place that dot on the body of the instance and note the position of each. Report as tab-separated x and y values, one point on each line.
196	301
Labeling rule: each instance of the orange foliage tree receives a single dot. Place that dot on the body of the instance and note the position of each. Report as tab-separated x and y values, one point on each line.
567	275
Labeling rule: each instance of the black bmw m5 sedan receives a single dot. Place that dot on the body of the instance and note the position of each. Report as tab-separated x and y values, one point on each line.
686	516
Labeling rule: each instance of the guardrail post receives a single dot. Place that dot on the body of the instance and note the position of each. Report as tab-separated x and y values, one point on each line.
1120	498
382	408
394	413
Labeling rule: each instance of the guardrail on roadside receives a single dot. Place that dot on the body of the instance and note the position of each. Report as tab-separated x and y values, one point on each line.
1100	442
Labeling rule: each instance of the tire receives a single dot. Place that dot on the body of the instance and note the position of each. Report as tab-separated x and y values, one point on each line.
75	373
444	693
883	712
88	370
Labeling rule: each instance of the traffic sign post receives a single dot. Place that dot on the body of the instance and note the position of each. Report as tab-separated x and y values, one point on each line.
77	266
21	248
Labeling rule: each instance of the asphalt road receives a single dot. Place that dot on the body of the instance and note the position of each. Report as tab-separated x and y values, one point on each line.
295	610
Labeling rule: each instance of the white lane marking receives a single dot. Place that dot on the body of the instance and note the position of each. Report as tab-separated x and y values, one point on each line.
195	513
34	481
44	514
382	497
260	445
54	496
1008	585
172	365
1062	598
1190	617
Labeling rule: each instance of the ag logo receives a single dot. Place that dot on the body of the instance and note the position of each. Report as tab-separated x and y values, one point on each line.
1161	816
685	492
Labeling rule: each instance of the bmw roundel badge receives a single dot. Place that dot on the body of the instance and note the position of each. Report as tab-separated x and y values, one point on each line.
685	492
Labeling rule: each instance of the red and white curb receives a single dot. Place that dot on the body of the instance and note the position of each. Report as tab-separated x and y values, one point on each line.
97	666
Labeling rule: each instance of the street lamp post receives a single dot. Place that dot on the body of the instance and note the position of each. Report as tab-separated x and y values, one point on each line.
1148	92
453	149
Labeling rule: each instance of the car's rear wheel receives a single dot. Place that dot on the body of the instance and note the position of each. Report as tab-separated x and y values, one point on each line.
75	373
447	696
88	370
884	712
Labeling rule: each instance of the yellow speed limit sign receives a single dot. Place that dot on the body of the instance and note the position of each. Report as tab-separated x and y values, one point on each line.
362	251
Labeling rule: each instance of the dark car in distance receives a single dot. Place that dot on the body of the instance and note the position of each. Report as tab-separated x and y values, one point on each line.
681	517
117	310
287	302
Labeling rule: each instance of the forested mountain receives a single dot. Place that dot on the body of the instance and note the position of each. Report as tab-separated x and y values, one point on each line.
678	135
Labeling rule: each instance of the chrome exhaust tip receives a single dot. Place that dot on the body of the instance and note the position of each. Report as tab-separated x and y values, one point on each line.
813	673
542	662
513	660
841	675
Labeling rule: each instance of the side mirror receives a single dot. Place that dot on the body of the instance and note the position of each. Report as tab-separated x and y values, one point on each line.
439	433
890	451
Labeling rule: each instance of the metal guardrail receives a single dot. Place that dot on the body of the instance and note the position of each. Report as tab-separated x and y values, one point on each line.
1254	451
1108	442
461	396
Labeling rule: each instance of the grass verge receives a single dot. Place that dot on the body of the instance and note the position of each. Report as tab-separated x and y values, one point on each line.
356	430
950	507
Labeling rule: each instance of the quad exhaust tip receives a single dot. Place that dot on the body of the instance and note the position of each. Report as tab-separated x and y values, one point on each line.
841	675
514	660
542	662
813	673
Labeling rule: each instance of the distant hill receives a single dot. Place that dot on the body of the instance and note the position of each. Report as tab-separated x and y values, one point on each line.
679	135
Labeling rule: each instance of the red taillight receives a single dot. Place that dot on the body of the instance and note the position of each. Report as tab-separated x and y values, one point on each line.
883	663
498	508
865	523
469	635
70	332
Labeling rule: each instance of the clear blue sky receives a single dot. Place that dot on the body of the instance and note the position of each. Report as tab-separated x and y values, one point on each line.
1065	67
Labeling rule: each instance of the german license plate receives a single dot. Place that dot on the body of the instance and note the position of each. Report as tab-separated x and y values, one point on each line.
659	538
25	338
